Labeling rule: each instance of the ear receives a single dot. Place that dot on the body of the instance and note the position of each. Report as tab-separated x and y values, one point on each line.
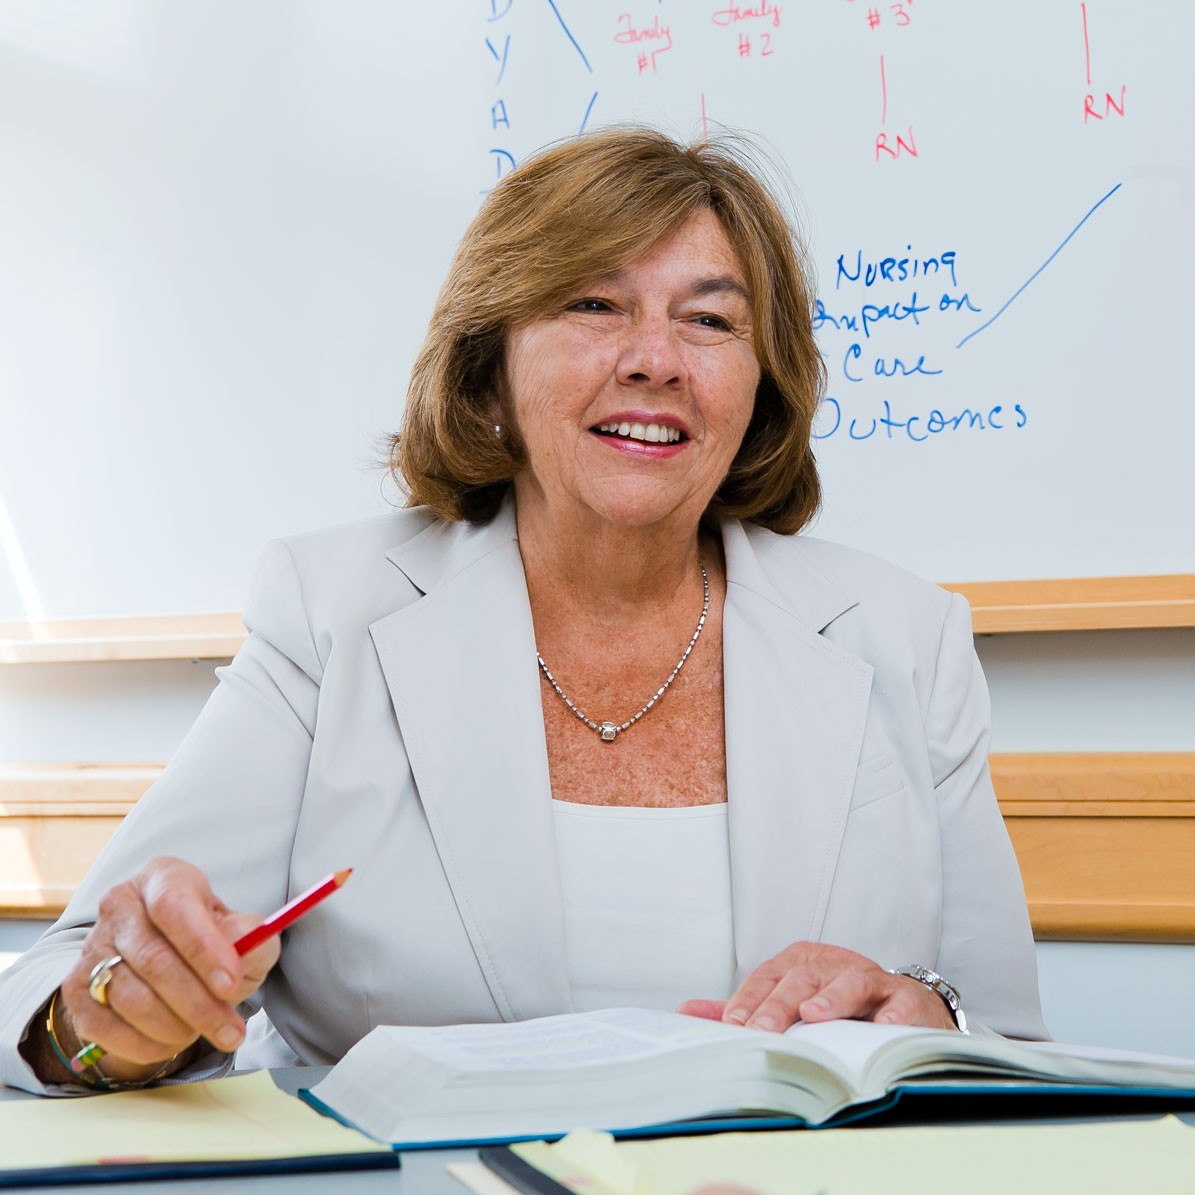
498	406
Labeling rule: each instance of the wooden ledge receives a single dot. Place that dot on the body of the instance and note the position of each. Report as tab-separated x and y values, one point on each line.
54	820
1080	603
1105	841
1118	921
154	637
1096	784
73	789
997	607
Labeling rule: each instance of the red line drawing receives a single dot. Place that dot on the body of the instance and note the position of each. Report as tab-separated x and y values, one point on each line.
1086	44
884	91
705	124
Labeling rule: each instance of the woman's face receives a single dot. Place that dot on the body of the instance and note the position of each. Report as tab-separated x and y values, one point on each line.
632	398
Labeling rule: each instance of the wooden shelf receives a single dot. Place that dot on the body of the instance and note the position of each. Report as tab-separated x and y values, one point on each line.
998	607
1105	841
154	637
1103	784
54	820
73	789
1080	603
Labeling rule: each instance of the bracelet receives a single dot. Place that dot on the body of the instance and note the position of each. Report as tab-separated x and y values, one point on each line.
935	983
55	1044
91	1075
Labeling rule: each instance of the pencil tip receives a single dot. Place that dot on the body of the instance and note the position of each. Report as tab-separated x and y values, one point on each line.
341	876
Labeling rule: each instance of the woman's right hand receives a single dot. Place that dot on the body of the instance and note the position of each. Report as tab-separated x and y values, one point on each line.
179	978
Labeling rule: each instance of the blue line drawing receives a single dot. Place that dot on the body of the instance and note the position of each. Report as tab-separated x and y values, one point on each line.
569	35
498	15
499	58
585	119
1039	269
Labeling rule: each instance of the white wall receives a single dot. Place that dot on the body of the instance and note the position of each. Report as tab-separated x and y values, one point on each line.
101	713
1132	995
1092	690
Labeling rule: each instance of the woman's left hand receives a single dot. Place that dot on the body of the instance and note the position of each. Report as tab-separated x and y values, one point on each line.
810	981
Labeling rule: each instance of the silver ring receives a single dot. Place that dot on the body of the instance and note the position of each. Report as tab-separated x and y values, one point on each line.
101	976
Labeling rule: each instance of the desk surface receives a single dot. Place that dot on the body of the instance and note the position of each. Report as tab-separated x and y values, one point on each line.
423	1171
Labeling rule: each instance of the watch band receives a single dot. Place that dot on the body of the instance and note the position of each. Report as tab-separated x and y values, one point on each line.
935	983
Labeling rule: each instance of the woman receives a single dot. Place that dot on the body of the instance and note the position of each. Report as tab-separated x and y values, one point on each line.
746	772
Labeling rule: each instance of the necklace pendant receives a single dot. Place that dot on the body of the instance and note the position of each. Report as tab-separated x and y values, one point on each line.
609	731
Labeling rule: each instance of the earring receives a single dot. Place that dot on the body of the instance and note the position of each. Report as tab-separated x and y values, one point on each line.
498	430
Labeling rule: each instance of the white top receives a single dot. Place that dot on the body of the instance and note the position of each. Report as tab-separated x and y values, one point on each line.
647	904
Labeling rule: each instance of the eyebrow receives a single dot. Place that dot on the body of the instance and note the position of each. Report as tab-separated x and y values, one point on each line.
721	284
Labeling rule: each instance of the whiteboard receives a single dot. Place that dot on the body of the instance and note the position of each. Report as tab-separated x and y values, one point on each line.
222	227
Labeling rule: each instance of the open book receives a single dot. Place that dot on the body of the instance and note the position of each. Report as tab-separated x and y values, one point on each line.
626	1069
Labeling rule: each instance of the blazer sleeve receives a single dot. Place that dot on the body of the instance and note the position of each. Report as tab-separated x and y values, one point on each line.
987	949
228	802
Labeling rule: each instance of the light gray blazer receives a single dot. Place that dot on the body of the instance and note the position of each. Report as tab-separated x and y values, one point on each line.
385	714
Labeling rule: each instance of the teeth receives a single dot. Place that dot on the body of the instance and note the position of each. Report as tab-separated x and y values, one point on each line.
651	433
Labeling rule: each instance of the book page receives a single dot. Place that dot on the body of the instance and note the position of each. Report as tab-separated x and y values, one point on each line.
934	1052
241	1118
851	1044
872	1057
612	1069
561	1043
1162	1063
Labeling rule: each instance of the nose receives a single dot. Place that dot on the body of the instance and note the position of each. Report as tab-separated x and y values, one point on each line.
650	354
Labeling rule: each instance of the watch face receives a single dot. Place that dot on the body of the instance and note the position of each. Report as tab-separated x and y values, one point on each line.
933	980
936	983
920	973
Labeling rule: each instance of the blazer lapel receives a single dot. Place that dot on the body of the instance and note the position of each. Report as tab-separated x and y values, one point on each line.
796	708
460	666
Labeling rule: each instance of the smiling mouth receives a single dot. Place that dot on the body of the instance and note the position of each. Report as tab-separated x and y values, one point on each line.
647	433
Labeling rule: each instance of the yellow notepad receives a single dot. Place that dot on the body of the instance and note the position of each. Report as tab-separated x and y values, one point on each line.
232	1123
1109	1158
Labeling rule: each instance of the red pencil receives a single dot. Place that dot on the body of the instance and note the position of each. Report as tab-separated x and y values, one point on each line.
275	923
290	912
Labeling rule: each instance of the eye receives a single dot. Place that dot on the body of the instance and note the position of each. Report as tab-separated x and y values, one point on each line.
718	323
589	305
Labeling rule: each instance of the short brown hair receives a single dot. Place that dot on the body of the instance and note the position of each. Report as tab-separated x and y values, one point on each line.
574	212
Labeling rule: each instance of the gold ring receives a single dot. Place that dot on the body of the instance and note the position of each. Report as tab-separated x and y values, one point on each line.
101	976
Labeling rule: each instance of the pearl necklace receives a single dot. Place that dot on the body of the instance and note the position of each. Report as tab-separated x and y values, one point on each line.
609	731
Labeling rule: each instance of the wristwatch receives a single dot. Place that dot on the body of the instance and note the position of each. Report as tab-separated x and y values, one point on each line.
936	983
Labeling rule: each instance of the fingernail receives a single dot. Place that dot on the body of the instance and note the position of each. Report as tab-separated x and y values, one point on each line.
765	1022
221	982
818	1003
737	1016
228	1038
